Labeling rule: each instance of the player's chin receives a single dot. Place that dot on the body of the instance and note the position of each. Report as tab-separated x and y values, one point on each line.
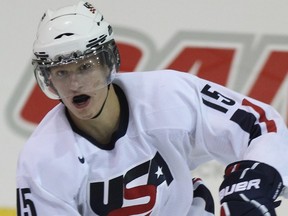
83	114
87	112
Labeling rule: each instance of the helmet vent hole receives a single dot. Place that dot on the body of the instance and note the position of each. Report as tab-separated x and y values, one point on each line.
64	34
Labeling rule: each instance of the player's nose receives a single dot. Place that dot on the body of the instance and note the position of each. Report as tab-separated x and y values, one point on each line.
75	82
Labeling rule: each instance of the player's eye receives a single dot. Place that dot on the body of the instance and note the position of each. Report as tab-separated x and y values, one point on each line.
60	74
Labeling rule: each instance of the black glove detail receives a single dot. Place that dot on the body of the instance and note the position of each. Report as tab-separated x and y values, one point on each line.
250	189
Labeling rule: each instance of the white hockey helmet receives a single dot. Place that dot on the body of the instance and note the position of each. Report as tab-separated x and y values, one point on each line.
68	35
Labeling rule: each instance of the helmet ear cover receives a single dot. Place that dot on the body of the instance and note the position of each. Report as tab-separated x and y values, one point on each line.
114	59
42	76
114	48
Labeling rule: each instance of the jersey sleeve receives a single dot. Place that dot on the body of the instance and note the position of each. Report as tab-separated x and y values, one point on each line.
235	127
33	200
48	179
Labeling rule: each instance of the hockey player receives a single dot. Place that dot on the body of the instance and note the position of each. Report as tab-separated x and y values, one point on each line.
125	143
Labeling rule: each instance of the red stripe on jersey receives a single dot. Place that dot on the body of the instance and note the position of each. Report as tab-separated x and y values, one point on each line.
222	211
231	169
270	124
194	180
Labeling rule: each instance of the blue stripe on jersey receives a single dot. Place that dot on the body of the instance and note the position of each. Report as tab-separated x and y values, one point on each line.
247	121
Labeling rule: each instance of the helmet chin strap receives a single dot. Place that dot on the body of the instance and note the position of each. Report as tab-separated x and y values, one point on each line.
100	111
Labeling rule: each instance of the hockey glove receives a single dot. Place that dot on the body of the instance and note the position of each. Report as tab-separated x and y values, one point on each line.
250	189
203	203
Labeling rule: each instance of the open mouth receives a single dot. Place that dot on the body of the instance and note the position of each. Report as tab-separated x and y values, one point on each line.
80	99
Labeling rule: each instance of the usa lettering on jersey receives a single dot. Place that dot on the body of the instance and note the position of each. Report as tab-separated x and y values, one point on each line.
157	171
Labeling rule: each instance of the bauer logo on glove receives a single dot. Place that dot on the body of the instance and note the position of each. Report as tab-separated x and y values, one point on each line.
250	189
241	186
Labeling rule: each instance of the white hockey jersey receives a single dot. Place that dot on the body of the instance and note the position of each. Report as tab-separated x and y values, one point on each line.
171	122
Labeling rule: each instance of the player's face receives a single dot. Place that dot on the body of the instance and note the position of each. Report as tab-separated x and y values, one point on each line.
81	85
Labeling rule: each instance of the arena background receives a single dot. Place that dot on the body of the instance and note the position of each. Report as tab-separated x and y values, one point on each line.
239	44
